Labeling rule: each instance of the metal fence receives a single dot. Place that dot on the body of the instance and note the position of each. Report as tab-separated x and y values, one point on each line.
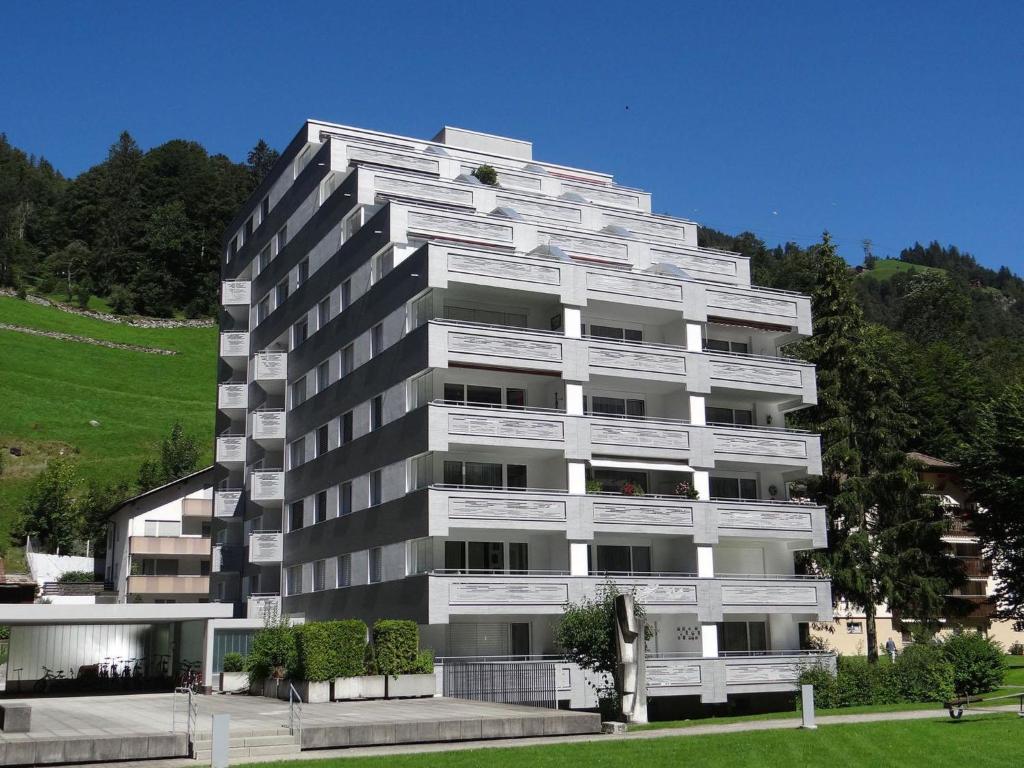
510	682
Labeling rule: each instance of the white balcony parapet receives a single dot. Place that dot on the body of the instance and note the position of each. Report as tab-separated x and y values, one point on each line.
235	292
268	425
263	606
231	449
232	396
265	547
234	344
270	366
266	485
226	502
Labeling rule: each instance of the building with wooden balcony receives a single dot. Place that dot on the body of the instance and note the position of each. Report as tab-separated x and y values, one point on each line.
159	546
467	404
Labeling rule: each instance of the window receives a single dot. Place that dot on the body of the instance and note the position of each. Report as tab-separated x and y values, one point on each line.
328	185
297	453
472	473
518	557
619	334
721	345
375	488
302	272
421	311
323	312
733	488
743	636
455	555
352	223
319	575
487	397
486	316
232	248
516	474
296	515
616	406
422	471
346	294
297	392
300	332
376	339
323	376
301	161
263	260
282	237
623	559
348	356
737	416
420	391
320	507
293	580
345	571
420	556
263	309
376	565
486	556
346	428
322	440
281	293
249	226
515	398
344	499
377	412
380	265
613	480
854	628
264	208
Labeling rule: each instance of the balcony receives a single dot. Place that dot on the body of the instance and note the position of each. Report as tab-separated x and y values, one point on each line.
265	547
715	678
231	449
235	292
580	437
197	509
270	370
226	502
455	593
268	427
802	525
169	546
263	606
266	485
169	585
234	346
976	567
233	396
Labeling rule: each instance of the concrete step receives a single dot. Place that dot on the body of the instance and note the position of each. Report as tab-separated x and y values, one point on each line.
276	750
269	740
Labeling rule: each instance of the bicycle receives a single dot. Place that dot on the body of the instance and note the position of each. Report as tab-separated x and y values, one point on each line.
43	683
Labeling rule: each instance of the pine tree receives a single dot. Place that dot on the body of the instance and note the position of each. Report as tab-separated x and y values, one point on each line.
260	160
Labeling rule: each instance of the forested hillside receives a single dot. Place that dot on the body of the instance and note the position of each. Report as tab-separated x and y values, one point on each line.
949	331
140	231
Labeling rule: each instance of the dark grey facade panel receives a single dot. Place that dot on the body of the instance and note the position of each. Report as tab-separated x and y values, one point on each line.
401	599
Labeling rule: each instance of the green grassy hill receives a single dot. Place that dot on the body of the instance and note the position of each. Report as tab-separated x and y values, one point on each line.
50	390
886	268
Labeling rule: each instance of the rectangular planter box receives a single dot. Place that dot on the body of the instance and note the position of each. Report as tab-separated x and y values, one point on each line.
362	687
273	687
409	686
234	682
311	692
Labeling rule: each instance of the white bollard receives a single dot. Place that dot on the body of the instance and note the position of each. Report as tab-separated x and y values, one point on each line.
220	741
807	707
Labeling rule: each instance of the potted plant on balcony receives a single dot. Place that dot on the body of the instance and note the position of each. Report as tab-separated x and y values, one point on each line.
686	490
234	677
629	488
594	486
486	174
409	672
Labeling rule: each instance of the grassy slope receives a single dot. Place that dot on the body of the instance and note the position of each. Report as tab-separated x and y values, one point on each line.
51	389
977	741
886	268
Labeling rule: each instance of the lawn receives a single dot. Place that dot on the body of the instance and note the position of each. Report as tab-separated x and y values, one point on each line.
51	389
988	740
886	268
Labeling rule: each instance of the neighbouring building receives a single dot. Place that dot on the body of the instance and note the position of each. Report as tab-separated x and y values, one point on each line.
158	543
466	404
848	633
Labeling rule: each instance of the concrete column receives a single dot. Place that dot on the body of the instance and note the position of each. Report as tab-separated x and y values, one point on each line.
694	337
572	321
705	562
702	484
697	413
709	641
574	399
577	476
578	565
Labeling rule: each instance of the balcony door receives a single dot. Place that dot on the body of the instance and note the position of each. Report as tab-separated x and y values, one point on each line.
623	559
743	636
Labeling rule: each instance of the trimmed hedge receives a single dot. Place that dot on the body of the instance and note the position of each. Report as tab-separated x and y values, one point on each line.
396	645
349	638
921	673
329	649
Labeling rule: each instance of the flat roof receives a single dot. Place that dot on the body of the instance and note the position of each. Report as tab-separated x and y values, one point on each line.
111	613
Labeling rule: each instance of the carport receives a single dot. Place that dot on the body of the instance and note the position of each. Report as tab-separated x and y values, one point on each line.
82	642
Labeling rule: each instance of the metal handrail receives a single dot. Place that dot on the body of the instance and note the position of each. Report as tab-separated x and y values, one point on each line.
614	495
669	655
621	574
294	712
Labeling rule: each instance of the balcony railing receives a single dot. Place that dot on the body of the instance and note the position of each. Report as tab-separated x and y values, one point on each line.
169	546
197	508
168	585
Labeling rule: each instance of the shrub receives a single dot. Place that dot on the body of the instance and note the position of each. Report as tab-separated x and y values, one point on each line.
349	640
396	645
234	662
826	691
76	577
978	662
273	650
924	674
120	299
486	174
593	486
424	663
1017	649
316	657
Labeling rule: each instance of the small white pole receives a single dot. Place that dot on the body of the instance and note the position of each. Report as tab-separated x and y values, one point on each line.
807	707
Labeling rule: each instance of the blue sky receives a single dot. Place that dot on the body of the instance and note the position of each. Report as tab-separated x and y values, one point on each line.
894	122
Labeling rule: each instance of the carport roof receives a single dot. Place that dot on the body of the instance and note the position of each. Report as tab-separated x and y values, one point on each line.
112	613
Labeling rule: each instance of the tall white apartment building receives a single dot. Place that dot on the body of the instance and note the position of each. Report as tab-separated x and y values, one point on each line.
468	404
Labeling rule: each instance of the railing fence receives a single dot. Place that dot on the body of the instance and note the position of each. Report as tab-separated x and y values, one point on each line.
529	683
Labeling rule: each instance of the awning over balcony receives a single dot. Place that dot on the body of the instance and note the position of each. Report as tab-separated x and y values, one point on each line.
665	466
